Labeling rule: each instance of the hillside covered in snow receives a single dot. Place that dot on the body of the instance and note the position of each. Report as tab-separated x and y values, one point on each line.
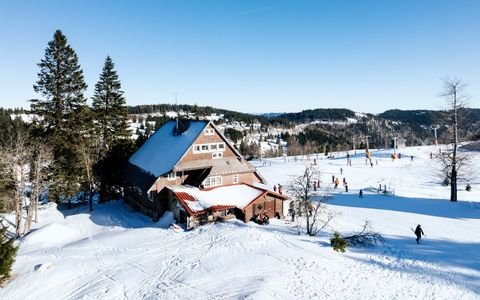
116	253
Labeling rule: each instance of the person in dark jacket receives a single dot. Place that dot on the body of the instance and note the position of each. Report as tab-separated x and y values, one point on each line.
419	232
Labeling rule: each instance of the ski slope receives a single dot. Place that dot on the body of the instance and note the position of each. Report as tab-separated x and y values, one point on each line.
114	253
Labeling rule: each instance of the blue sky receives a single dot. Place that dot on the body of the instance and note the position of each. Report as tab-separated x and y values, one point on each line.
253	56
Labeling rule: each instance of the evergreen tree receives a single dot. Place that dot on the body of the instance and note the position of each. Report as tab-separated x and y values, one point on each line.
110	107
110	167
62	111
110	112
7	254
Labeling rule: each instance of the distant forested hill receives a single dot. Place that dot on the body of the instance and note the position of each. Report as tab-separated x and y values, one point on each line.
418	117
206	111
414	125
470	116
319	114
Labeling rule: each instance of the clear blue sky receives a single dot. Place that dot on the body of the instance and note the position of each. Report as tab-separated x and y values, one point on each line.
253	56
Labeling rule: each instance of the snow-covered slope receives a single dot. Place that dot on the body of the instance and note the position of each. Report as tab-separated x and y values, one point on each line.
114	253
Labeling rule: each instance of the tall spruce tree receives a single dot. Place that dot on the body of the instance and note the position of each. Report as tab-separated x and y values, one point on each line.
62	111
110	112
110	107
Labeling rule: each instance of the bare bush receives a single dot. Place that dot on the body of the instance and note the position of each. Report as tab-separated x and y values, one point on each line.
365	238
307	205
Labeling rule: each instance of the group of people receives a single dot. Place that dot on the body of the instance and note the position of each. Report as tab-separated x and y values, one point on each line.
336	182
280	188
262	219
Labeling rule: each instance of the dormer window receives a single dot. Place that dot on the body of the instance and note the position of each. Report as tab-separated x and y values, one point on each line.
172	176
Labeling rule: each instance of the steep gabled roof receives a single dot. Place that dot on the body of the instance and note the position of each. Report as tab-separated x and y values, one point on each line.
162	151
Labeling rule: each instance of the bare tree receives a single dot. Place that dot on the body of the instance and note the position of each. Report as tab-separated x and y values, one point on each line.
90	152
40	175
445	160
15	166
454	93
307	204
366	237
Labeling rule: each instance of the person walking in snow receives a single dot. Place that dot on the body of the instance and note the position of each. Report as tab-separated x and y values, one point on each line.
346	187
419	232
333	178
360	194
341	171
337	181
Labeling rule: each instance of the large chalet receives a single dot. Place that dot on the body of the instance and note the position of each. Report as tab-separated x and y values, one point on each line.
189	168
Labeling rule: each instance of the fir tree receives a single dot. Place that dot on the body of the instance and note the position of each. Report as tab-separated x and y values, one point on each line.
110	107
110	112
62	111
7	254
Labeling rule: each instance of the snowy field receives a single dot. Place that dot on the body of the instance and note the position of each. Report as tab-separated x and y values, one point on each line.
114	253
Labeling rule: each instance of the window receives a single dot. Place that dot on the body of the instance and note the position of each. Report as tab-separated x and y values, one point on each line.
235	178
212	147
209	131
212	181
172	176
217	155
151	195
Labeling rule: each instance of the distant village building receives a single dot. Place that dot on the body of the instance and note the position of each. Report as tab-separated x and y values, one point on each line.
192	171
401	143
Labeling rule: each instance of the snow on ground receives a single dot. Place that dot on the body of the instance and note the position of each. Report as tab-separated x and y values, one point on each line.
114	253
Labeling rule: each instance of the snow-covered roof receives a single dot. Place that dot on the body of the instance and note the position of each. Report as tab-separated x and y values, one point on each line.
164	149
223	197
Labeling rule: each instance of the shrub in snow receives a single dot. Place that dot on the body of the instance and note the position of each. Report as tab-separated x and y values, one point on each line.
338	242
468	188
7	254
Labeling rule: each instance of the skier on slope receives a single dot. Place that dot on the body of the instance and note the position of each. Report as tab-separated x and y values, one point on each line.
419	232
337	181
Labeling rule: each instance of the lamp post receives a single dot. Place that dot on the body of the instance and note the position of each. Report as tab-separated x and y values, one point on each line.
435	127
